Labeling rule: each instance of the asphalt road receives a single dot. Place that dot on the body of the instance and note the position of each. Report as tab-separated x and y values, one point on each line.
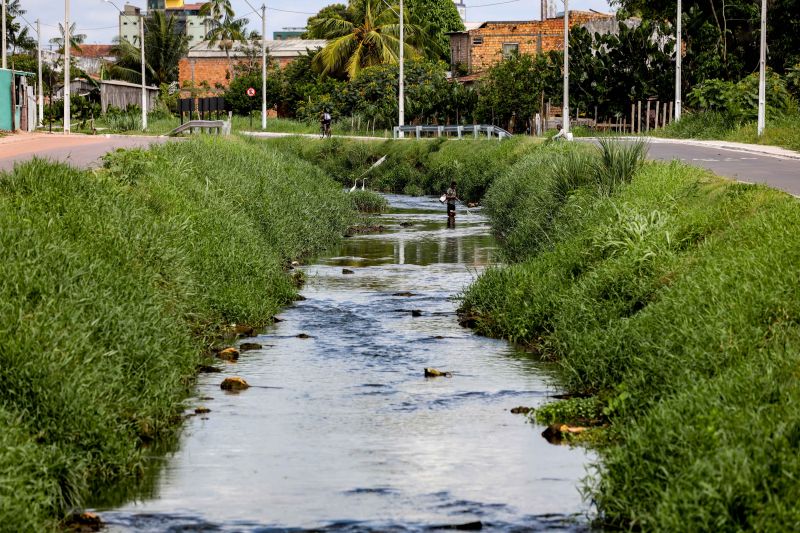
750	164
750	167
77	150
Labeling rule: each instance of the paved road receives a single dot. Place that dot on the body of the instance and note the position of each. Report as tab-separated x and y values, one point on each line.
748	166
78	150
752	164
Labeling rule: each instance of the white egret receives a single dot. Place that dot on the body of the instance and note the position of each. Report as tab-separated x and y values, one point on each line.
355	184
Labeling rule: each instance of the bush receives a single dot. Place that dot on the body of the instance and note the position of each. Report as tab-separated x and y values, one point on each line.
673	301
369	202
113	283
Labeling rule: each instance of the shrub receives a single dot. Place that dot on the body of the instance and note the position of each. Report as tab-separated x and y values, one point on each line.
369	202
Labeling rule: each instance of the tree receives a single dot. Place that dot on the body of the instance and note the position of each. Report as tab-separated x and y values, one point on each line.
226	35
314	29
437	18
218	10
75	39
236	94
370	36
164	47
512	92
722	36
18	37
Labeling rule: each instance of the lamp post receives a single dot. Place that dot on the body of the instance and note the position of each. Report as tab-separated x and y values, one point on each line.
401	104
40	95
264	67
762	72
678	62
565	112
142	60
5	44
67	68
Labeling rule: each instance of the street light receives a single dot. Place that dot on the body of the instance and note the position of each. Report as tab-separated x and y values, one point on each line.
565	112
141	48
67	69
264	67
762	74
40	95
678	61
402	85
5	44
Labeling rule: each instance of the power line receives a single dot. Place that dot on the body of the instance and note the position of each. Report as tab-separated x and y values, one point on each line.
496	4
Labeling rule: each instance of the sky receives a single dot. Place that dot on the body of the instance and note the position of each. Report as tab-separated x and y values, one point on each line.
98	19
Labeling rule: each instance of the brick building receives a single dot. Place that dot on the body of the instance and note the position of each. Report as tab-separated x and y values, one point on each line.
209	64
477	49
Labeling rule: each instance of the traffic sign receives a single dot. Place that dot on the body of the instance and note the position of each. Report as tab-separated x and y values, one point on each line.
251	92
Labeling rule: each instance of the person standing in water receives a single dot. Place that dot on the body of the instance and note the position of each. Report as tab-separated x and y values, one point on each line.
451	197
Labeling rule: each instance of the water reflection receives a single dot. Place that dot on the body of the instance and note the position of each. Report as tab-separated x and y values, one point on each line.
354	438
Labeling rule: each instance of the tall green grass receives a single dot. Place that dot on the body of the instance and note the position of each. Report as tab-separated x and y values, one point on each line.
112	284
412	167
780	130
674	301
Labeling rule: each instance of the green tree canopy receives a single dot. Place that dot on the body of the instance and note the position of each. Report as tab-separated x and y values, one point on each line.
436	18
722	36
367	34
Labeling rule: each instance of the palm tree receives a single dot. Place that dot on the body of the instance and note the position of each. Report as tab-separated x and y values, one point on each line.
17	36
226	34
373	39
75	39
218	10
164	47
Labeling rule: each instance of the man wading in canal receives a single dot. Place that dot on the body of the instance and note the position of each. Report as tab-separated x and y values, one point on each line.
451	196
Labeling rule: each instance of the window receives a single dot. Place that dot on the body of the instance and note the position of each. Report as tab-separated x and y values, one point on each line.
510	48
477	40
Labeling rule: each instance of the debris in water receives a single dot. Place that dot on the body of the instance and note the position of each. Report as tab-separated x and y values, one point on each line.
521	410
416	313
405	294
555	433
304	336
202	410
468	526
229	354
433	373
208	369
347	271
234	384
248	346
243	330
84	522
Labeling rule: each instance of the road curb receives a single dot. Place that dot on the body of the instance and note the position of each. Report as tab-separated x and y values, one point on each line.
755	149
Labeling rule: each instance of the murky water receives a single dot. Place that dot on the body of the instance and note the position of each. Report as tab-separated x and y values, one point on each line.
350	436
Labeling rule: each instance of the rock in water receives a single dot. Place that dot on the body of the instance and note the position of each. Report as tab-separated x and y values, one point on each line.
304	336
416	313
555	433
234	384
244	331
208	369
248	346
404	294
84	522
347	271
521	410
229	354
202	410
433	373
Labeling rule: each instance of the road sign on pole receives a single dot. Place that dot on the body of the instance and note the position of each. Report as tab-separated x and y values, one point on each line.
251	92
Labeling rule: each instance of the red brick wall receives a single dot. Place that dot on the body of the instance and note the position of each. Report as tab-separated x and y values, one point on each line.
211	70
532	37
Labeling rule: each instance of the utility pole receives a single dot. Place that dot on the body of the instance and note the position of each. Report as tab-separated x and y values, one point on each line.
67	68
678	63
264	67
144	81
762	80
565	111
40	95
5	44
402	89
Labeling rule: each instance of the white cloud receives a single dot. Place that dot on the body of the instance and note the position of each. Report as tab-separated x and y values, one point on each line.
98	19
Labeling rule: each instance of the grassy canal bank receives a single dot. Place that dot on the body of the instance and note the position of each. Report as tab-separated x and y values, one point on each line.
116	282
669	300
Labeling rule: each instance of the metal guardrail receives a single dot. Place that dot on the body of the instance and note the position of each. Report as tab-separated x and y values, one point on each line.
461	132
220	127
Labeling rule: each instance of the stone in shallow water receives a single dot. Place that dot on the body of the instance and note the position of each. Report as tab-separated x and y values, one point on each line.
304	336
202	410
234	384
433	373
243	330
347	271
416	313
208	369
229	354
248	346
405	294
84	522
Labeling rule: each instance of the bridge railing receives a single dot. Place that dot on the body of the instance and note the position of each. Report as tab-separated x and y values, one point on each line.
461	132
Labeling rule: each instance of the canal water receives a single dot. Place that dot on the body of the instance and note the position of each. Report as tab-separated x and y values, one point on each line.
342	431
